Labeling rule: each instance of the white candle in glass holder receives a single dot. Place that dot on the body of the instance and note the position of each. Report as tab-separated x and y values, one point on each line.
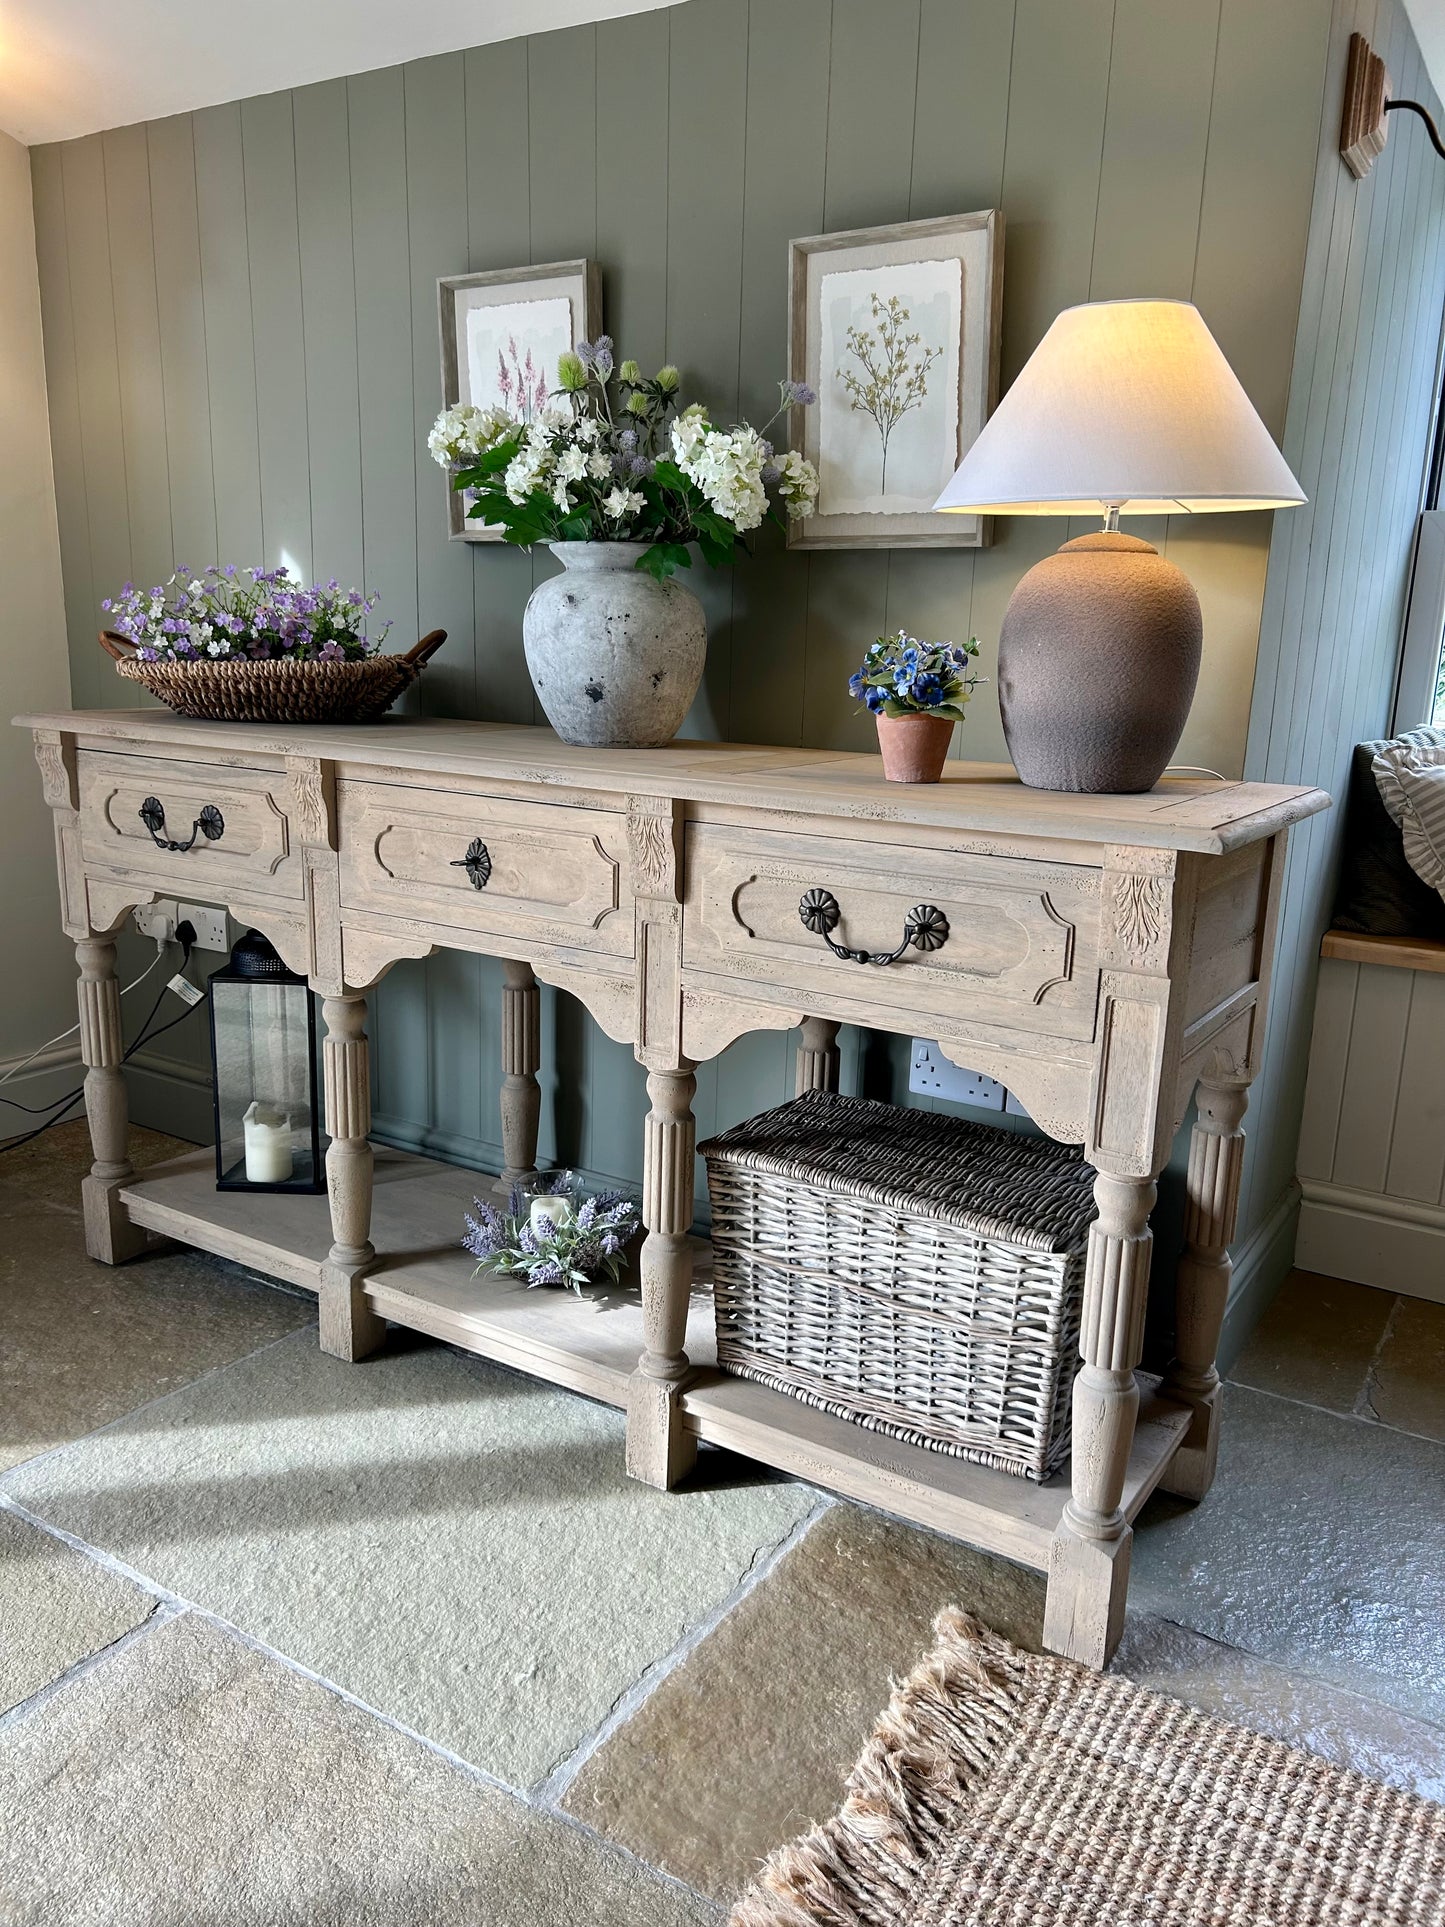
268	1144
548	1211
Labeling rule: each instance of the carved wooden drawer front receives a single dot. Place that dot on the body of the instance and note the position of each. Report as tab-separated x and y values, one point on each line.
490	864
1011	941
195	828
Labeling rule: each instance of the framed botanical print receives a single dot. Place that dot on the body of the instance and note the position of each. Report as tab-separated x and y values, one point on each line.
896	331
501	333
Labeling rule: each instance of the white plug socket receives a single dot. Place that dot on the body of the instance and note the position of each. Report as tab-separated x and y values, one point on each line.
931	1074
212	927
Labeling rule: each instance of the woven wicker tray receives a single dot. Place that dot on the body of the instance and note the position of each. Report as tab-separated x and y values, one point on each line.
275	692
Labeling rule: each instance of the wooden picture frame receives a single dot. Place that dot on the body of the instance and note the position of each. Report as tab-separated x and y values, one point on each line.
466	344
946	277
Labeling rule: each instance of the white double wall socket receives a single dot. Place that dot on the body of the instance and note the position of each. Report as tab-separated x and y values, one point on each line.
212	926
931	1074
160	920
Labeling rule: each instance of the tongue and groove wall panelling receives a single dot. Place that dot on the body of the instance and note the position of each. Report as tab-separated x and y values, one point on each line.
138	357
102	447
328	327
91	680
785	161
461	1042
499	228
872	92
960	131
269	155
176	241
230	345
376	120
1356	434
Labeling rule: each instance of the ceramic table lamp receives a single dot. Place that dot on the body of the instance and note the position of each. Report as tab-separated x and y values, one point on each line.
1126	408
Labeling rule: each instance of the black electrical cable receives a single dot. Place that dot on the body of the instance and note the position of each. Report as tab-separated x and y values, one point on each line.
144	1036
1414	107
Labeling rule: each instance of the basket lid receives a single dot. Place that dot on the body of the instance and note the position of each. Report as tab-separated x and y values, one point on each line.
1003	1185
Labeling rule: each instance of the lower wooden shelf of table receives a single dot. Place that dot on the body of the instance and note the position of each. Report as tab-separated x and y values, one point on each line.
424	1280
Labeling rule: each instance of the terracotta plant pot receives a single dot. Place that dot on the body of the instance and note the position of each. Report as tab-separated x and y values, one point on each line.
914	747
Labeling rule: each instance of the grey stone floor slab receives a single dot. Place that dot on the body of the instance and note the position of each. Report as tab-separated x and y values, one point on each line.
751	1737
1316	1341
188	1781
83	1343
1321	1547
1407	1386
455	1544
48	1170
1343	1728
56	1608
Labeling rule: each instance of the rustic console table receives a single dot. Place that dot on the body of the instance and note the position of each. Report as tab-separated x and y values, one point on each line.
1105	956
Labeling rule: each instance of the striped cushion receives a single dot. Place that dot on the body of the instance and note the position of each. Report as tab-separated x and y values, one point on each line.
1410	775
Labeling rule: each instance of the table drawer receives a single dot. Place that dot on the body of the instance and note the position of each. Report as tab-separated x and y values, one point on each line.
206	830
491	864
1021	947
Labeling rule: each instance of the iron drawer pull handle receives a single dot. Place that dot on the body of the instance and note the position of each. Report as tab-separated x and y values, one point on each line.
210	824
925	929
477	863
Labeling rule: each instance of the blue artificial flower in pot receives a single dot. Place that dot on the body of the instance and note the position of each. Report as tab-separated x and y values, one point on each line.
916	692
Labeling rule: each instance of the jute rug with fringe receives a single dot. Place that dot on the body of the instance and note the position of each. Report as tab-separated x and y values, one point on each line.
1002	1789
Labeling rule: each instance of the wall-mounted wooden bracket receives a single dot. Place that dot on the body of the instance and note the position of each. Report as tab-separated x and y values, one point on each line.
1364	122
1363	127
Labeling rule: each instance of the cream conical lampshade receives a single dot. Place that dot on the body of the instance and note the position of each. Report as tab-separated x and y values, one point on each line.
1128	404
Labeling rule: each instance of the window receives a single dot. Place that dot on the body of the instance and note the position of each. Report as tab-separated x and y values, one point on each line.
1420	693
1421	696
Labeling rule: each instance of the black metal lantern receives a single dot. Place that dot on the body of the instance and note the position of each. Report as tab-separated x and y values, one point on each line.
263	1069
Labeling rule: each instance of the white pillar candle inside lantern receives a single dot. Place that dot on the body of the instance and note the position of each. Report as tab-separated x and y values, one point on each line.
546	1212
263	1061
268	1144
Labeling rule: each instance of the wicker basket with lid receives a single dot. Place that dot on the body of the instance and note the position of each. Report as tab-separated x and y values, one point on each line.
918	1274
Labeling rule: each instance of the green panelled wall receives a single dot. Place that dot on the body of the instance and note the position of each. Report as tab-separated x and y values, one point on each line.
241	348
1357	435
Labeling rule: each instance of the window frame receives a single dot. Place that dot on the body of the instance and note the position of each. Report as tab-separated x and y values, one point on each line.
1421	668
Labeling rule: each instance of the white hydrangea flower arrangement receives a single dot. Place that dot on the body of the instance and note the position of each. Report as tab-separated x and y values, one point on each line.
613	459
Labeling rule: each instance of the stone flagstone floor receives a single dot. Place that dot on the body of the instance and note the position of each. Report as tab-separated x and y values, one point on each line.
286	1641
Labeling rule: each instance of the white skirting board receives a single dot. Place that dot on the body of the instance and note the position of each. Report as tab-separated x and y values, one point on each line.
1390	1242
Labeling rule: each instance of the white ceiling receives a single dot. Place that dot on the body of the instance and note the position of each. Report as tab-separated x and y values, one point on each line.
1427	17
70	67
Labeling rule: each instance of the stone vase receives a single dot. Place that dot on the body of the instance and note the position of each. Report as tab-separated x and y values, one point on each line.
1098	656
615	655
914	748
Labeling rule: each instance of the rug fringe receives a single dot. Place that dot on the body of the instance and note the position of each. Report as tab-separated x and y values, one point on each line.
942	1731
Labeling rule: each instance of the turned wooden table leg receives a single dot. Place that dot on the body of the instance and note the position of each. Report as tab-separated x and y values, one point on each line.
521	1059
1216	1158
1089	1559
109	1234
818	1056
349	1327
659	1450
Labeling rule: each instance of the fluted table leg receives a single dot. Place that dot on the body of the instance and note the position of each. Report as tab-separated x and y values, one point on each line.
817	1056
1089	1559
109	1234
659	1450
349	1327
521	1100
1216	1158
